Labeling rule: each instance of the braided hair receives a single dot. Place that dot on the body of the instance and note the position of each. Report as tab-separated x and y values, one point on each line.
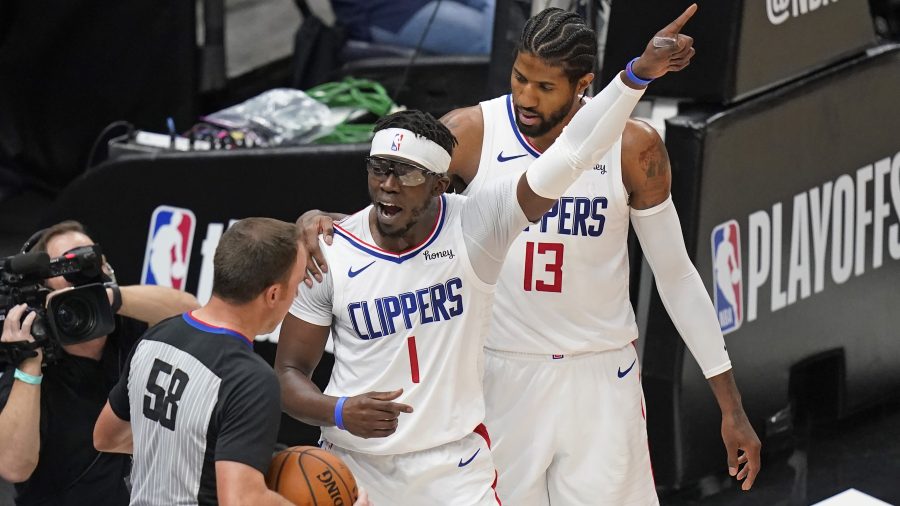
422	124
562	38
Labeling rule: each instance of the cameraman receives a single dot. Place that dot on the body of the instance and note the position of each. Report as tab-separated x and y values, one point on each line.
47	413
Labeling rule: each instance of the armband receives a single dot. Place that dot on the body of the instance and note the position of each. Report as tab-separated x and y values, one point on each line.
28	378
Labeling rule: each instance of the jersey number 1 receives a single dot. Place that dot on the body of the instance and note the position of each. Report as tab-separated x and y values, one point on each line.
554	267
413	358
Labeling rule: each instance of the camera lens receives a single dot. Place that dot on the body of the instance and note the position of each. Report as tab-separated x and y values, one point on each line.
80	314
74	317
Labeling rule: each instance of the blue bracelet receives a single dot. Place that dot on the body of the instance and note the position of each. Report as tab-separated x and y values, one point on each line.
629	71
28	378
339	413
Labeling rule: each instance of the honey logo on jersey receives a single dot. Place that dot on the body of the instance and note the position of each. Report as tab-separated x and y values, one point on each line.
168	250
727	276
436	255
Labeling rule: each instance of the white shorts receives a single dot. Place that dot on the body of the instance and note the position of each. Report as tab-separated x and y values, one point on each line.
460	473
569	430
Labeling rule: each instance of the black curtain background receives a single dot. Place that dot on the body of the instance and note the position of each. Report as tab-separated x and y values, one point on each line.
68	68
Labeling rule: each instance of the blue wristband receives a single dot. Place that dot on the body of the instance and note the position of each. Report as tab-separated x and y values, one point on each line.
28	378
339	413
629	71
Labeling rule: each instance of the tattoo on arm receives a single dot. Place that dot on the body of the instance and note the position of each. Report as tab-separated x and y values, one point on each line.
654	162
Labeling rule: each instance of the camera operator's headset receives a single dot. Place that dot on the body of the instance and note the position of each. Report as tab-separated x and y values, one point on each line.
32	241
107	279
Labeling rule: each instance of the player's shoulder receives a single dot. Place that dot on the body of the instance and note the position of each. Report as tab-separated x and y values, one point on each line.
461	121
639	141
467	126
639	135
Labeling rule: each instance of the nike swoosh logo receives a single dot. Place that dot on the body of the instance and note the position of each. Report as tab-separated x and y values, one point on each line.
501	158
464	464
622	374
353	273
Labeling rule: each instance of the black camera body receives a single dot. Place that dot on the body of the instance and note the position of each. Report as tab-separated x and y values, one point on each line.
70	317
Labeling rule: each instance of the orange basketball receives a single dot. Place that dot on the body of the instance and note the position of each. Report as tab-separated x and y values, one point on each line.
310	476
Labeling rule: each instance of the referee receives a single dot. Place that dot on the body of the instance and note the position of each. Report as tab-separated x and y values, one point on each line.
197	407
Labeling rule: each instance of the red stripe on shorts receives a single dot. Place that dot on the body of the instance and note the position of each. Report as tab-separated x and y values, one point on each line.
482	431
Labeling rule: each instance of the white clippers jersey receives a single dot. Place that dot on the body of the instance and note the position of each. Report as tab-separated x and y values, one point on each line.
397	322
564	284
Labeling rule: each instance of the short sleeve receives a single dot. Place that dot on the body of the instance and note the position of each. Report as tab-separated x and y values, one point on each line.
314	305
250	416
118	396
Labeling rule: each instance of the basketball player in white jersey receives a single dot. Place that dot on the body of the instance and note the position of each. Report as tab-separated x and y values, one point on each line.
563	395
408	297
562	314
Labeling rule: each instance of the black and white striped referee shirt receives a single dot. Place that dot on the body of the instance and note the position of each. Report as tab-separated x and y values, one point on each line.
195	394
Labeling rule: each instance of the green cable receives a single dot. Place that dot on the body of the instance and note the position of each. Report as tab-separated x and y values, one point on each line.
357	94
352	92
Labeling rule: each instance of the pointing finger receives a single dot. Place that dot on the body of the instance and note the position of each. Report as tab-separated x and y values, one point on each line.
386	396
395	408
676	26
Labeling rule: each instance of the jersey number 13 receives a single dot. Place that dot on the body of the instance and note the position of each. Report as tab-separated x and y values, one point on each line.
554	263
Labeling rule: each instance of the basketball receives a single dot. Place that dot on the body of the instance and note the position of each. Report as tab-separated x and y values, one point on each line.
310	476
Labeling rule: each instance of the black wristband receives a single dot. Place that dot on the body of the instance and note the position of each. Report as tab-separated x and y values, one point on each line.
117	297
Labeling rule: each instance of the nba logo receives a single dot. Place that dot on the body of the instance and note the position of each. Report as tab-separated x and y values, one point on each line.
726	260
395	145
168	247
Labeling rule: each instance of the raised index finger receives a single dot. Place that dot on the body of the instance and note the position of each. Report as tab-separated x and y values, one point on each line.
676	26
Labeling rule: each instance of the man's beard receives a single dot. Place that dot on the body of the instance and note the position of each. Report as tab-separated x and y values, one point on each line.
400	232
543	126
416	214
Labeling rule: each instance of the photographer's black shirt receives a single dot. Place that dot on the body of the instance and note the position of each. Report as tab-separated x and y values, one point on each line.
74	390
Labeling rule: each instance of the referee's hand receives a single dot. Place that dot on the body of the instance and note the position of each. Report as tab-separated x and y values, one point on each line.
668	51
373	414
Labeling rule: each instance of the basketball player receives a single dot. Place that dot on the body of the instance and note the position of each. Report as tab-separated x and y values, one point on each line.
563	291
559	362
408	296
203	407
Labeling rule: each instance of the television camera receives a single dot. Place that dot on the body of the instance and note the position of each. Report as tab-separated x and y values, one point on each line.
67	317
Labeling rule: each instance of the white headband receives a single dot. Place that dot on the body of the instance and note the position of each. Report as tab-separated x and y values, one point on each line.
406	144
